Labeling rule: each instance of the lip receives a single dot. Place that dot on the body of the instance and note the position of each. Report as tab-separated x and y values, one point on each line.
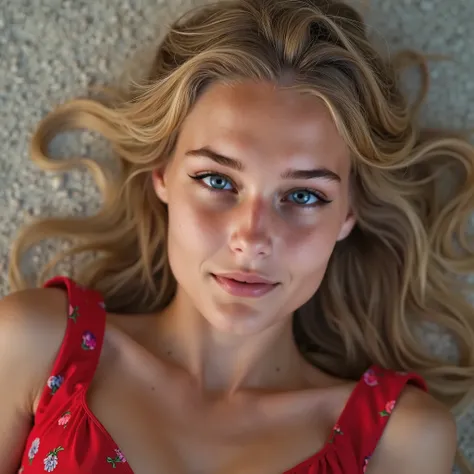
246	285
246	277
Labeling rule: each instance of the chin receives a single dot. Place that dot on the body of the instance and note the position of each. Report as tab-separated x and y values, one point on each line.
237	318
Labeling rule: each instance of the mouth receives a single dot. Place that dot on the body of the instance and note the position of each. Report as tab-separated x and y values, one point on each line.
244	285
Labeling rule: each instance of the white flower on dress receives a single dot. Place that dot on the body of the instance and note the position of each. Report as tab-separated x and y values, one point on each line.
50	463
51	460
54	382
33	449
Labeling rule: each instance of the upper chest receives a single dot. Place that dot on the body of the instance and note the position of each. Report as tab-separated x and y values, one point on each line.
163	424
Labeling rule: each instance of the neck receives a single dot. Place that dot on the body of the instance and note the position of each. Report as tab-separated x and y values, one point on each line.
227	362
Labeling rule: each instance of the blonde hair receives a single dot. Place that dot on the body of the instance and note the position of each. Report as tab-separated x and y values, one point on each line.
403	261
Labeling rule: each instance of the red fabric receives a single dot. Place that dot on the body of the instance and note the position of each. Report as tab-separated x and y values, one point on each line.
67	438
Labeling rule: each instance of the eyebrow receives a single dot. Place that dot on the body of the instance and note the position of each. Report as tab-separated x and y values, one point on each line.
288	174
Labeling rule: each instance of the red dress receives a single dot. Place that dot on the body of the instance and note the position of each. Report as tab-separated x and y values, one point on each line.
68	439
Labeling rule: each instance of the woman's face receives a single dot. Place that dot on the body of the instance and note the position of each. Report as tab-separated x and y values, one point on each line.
258	185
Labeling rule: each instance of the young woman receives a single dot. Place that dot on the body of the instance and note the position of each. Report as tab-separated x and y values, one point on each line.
261	263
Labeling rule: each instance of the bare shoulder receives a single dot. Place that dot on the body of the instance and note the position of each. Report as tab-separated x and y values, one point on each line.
36	316
32	327
420	437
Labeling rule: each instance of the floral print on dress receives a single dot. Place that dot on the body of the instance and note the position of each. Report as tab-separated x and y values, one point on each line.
335	432
33	451
370	378
366	462
20	471
73	313
64	419
51	460
102	304
388	408
89	341
119	458
54	382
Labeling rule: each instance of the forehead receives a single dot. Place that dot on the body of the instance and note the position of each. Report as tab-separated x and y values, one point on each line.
262	119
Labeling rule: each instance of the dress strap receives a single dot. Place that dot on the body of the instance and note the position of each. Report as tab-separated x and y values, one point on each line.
369	407
79	353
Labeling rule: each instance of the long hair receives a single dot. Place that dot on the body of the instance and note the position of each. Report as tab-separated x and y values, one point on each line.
406	260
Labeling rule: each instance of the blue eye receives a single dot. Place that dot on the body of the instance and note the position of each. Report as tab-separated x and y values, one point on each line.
215	182
303	197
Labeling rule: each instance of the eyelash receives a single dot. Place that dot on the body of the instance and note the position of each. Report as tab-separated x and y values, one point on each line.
201	176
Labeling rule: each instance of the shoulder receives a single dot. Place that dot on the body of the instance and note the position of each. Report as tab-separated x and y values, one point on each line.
420	437
34	316
32	327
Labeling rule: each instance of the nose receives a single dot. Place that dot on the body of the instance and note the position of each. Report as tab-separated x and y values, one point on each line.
251	230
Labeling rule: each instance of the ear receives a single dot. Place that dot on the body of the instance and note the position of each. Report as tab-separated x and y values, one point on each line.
159	179
347	226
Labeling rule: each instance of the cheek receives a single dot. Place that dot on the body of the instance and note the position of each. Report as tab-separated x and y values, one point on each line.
194	232
308	252
308	255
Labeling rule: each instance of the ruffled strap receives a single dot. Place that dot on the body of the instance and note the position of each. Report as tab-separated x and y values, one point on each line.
369	407
79	353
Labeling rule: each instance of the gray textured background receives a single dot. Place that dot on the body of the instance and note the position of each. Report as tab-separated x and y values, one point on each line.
51	50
